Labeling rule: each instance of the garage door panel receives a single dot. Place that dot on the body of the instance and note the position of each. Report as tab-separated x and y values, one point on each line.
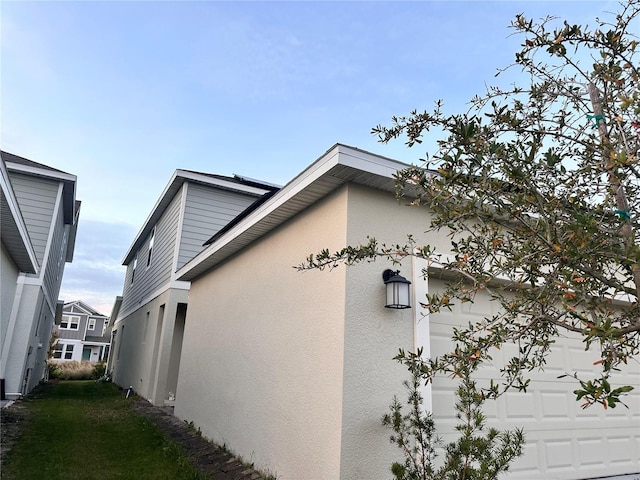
564	441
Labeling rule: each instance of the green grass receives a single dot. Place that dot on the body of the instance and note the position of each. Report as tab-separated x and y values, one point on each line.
86	430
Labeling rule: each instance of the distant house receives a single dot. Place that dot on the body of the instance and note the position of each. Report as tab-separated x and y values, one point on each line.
39	220
82	335
148	319
295	370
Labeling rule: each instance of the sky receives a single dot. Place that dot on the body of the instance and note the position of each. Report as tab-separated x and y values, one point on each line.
121	94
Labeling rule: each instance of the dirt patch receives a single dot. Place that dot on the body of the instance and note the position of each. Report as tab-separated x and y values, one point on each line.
13	420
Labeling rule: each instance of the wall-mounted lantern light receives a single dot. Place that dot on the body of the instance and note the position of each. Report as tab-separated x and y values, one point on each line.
397	290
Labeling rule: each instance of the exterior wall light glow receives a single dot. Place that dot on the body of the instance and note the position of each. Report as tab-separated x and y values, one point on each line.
398	291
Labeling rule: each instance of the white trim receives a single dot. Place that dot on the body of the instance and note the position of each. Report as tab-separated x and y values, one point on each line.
52	230
421	327
70	316
176	247
14	208
41	172
178	179
339	155
218	182
172	285
8	339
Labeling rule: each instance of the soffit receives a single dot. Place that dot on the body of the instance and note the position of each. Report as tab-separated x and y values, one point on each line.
339	165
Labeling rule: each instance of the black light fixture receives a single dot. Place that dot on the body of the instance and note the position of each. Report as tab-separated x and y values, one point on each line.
397	289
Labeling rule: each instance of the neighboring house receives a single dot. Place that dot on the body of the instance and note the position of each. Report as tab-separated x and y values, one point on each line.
148	319
83	334
39	223
294	371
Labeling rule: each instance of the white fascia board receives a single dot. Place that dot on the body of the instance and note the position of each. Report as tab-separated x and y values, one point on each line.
12	203
82	306
338	155
42	172
169	187
174	185
218	182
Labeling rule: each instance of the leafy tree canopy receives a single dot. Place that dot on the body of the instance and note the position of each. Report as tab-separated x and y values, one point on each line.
538	189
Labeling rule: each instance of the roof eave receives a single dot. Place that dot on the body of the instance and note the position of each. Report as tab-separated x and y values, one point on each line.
14	232
339	165
178	178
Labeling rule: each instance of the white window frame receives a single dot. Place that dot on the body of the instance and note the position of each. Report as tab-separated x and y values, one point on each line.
68	321
68	351
58	350
92	324
150	251
133	269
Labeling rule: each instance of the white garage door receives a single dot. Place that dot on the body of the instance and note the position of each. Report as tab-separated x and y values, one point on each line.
563	440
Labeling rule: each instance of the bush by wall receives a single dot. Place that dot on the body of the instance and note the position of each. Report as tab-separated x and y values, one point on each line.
74	370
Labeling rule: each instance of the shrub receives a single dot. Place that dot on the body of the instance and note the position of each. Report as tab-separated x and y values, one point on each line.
98	370
53	370
73	370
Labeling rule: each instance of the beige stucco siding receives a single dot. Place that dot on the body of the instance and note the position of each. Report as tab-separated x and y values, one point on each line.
373	335
143	343
261	367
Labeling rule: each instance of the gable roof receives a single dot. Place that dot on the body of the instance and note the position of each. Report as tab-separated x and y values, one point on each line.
25	166
339	165
10	157
84	307
179	177
13	230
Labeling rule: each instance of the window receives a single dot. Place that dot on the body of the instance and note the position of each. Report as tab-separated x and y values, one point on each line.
133	269
69	322
92	324
68	352
153	234
57	350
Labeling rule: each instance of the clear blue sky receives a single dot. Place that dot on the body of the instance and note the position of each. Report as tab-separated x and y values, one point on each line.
123	93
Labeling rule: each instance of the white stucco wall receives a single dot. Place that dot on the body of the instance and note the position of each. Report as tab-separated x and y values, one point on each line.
142	353
563	440
24	344
293	371
263	350
8	278
373	336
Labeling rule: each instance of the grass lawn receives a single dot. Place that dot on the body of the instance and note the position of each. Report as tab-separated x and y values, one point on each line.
86	430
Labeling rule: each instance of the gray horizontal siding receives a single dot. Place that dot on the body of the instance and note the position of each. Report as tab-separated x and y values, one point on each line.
57	253
149	279
207	210
36	198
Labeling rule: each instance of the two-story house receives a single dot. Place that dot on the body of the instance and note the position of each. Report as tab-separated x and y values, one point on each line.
148	320
39	222
294	370
82	335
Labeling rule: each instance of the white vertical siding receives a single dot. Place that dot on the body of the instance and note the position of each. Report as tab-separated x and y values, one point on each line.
206	211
